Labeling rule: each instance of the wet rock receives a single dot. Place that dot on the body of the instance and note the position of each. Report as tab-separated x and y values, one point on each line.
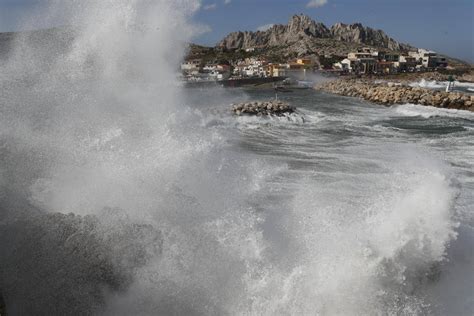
58	264
272	107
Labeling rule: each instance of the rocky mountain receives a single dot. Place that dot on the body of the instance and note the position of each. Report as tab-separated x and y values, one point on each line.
357	33
302	35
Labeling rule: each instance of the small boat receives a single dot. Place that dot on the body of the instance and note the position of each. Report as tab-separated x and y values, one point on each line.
282	89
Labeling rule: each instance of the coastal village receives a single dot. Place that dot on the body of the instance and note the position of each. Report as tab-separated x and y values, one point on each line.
354	72
364	61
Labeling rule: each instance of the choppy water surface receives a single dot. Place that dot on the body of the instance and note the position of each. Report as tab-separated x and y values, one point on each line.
365	202
123	194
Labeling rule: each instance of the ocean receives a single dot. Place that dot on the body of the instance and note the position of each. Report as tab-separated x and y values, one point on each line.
123	193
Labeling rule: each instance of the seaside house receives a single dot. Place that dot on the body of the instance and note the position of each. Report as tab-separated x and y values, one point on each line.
362	62
367	65
209	68
241	69
406	64
304	61
221	72
366	61
385	67
429	59
359	55
387	56
211	71
277	70
237	71
346	65
297	70
441	62
191	65
251	67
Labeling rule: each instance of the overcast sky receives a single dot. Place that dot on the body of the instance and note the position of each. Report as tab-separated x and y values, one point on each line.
446	26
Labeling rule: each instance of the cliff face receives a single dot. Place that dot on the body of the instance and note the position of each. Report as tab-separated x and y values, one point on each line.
302	31
357	33
299	27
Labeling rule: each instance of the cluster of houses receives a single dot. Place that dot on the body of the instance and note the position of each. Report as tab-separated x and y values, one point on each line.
196	70
369	61
364	61
254	67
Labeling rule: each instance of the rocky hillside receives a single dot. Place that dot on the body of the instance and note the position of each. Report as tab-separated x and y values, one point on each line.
302	35
357	33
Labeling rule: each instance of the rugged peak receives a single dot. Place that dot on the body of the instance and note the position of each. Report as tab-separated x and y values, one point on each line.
300	19
339	24
303	24
301	31
359	34
356	25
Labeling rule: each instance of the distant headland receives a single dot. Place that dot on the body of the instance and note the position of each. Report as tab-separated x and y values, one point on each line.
304	45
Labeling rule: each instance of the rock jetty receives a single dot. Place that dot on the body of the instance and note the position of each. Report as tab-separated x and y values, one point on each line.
272	107
389	93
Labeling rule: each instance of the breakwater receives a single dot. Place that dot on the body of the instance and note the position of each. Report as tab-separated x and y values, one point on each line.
388	94
272	107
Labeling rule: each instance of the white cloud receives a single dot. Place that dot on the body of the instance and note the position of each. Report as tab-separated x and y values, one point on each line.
316	3
264	27
210	7
227	1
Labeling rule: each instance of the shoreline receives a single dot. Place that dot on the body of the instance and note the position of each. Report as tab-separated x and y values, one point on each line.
388	93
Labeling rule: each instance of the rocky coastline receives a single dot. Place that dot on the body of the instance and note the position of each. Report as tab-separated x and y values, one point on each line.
397	93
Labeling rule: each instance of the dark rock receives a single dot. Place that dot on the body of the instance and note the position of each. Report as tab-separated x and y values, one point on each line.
57	264
263	108
3	309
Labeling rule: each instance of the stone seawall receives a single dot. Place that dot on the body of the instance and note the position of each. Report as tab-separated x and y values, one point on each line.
388	94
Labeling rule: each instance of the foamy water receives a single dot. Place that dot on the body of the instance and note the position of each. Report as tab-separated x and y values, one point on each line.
345	208
429	111
441	85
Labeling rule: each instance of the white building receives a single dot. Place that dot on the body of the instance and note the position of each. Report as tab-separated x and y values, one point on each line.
345	65
428	59
251	67
191	65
